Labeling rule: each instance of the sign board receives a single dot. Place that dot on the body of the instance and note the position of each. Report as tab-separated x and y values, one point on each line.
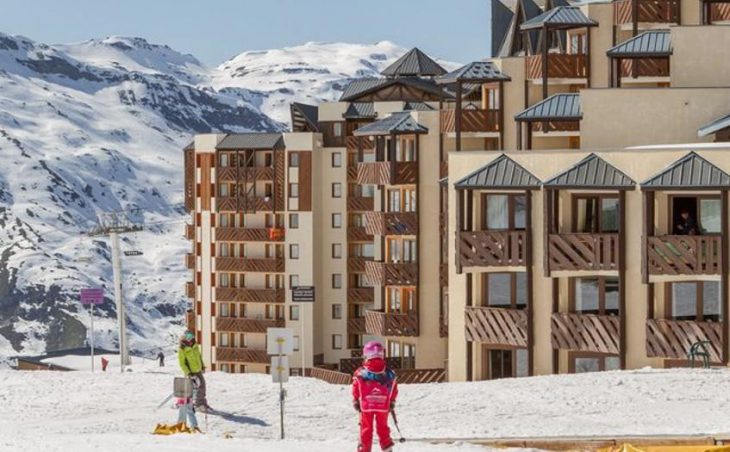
280	369
302	294
133	253
92	296
279	341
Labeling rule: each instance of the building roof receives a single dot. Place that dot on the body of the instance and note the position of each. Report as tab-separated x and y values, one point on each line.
501	173
360	110
562	107
690	172
304	116
522	10
502	16
714	126
414	63
397	123
360	87
652	43
476	72
592	172
190	146
560	17
252	140
417	106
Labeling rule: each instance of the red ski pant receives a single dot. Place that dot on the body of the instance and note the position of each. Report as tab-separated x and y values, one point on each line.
379	422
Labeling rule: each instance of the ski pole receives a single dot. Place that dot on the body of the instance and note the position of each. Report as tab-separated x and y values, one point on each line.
395	421
165	401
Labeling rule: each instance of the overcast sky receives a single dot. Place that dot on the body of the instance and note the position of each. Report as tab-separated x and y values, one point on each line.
215	30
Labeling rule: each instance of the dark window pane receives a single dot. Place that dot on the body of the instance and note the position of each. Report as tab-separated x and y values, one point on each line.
520	212
711	300
586	295
684	300
611	288
609	215
521	292
499	286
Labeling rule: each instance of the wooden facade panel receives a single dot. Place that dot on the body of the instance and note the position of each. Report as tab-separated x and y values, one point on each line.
244	204
329	138
649	11
356	325
189	162
239	264
387	173
363	295
388	324
645	67
234	294
190	232
684	255
673	338
352	143
206	185
358	234
305	181
190	289
250	174
190	261
391	223
720	12
471	121
583	251
279	181
239	325
556	126
585	333
241	355
559	66
233	234
391	274
357	264
492	248
496	326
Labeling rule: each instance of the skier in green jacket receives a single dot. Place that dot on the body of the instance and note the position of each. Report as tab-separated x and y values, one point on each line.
191	363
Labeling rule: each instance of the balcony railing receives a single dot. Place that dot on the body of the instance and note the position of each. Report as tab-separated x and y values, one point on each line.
240	325
387	173
673	338
471	121
560	65
649	11
360	204
684	255
720	12
241	355
189	289
352	143
190	261
245	203
496	326
357	264
232	234
388	324
190	232
556	126
583	251
356	326
391	223
238	264
391	274
255	173
358	234
492	248
585	333
243	295
363	295
645	67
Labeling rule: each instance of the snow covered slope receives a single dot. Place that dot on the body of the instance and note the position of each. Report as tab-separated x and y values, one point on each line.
99	125
112	412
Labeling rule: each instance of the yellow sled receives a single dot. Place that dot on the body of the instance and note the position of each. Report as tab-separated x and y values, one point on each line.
172	429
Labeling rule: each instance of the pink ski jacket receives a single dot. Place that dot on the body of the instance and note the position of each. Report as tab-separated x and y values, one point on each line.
374	386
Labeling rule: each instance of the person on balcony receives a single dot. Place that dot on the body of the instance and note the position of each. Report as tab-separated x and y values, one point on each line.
687	225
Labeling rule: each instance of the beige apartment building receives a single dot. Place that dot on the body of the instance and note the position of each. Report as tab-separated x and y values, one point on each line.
561	207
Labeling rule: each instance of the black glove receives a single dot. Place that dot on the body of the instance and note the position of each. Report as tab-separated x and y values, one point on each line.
392	406
356	405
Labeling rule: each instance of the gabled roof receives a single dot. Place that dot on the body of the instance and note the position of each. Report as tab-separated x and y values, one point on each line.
398	123
476	72
501	19
592	172
360	110
417	106
501	173
689	172
360	87
304	116
653	43
414	63
252	140
522	10
558	107
559	18
714	126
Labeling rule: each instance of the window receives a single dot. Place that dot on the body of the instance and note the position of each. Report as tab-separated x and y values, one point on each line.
336	159
296	343
337	129
336	281
294	221
336	190
593	363
293	281
336	220
223	159
337	341
400	299
223	280
507	290
223	190
598	295
696	300
224	340
224	310
336	251
336	311
504	212
596	214
294	159
505	363
293	190
223	220
293	251
224	367
293	312
401	250
402	200
693	215
223	249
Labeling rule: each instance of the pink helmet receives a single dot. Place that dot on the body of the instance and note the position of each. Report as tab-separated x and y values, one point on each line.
373	349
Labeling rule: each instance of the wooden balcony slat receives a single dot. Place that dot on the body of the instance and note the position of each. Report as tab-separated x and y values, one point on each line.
190	261
244	203
190	289
673	338
356	326
388	324
243	325
583	251
645	67
236	264
358	234
357	264
585	332
233	174
649	11
351	143
720	12
245	295
391	274
556	126
241	355
360	204
492	248
471	121
391	223
362	295
496	326
190	232
684	255
387	173
234	234
559	66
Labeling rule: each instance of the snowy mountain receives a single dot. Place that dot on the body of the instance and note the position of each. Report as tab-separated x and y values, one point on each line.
99	126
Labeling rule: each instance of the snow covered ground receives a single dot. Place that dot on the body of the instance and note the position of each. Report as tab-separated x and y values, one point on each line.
55	411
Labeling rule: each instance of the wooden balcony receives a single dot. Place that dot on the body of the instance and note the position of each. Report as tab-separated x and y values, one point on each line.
190	232
496	326
251	174
387	173
362	295
391	274
357	264
649	11
241	325
244	203
560	65
585	333
356	326
190	261
471	121
492	248
241	355
237	264
243	295
645	67
684	255
232	234
352	173
360	204
358	234
391	223
583	252
351	143
190	289
720	12
673	338
556	126
386	324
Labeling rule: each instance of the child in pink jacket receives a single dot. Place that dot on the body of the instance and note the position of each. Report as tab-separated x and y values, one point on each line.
374	392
